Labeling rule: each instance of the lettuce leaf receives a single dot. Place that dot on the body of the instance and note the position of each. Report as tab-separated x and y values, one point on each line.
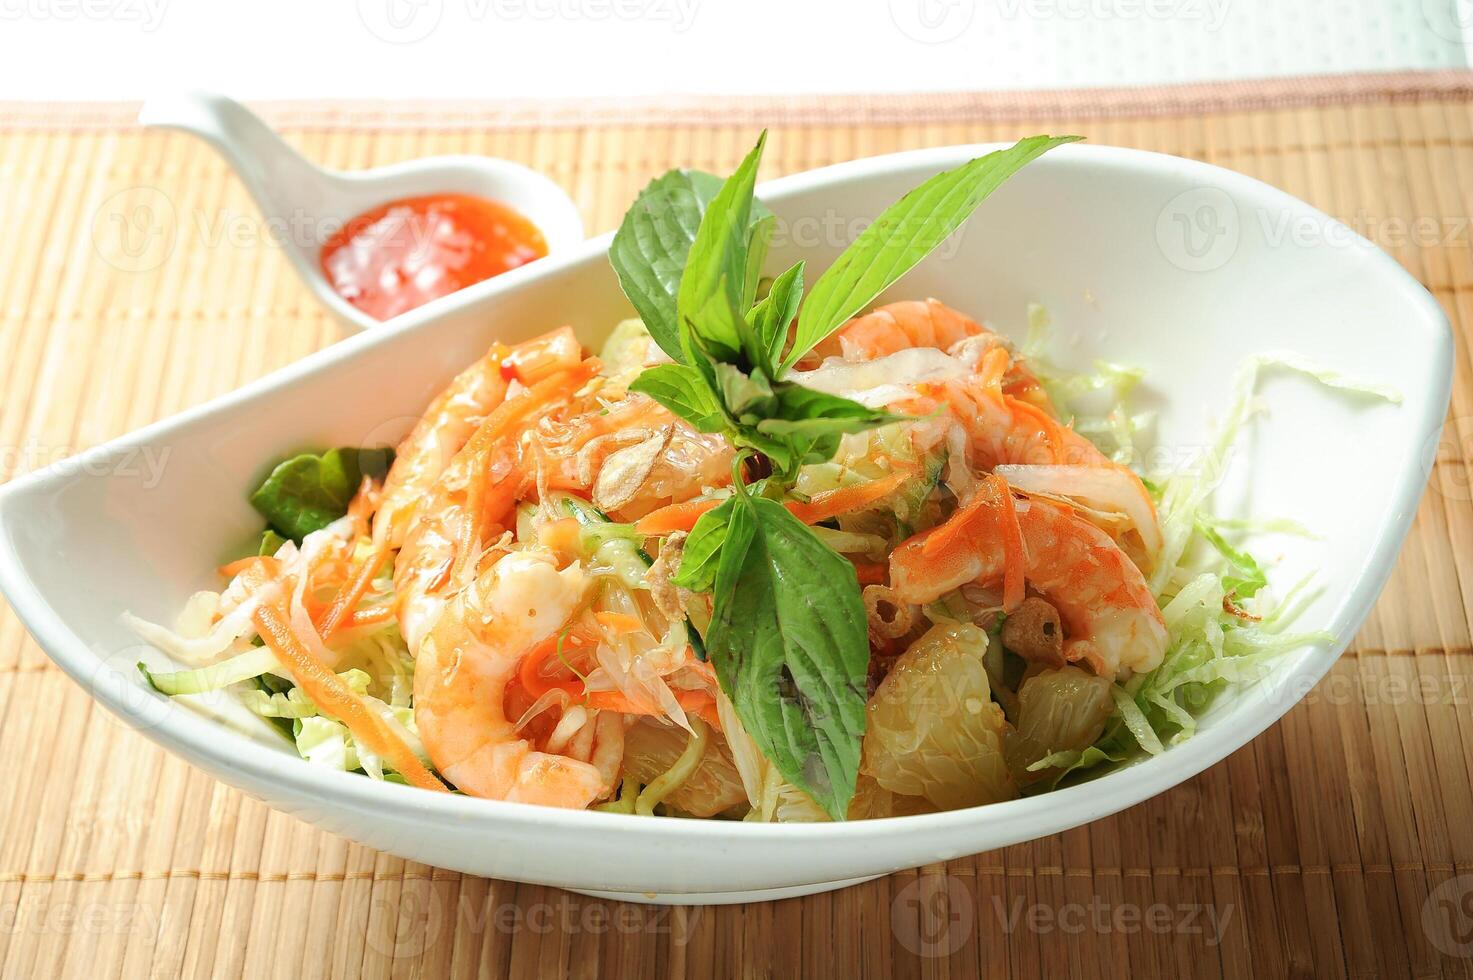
310	491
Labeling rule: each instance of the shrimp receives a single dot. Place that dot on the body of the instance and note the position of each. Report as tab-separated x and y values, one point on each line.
473	498
572	445
1003	430
451	420
1110	618
426	452
464	665
899	326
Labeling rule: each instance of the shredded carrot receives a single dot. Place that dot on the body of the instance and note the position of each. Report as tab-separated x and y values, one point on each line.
328	691
698	703
992	509
619	622
821	507
352	592
501	423
1048	427
363	504
470	529
1013	583
564	536
676	517
530	671
539	358
374	616
842	500
268	563
994	365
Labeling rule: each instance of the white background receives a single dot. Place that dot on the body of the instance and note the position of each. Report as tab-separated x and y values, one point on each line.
127	49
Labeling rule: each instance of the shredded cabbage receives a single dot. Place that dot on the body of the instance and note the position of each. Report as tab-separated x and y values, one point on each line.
244	667
1222	632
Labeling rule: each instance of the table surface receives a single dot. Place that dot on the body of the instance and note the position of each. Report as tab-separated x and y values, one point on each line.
1334	844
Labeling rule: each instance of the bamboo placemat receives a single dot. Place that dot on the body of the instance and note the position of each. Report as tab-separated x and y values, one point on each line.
138	280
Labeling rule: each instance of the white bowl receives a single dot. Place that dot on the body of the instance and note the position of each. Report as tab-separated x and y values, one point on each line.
1176	266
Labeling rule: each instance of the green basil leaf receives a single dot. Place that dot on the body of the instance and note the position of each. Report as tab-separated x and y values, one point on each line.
650	249
698	559
812	422
789	643
779	450
308	492
682	389
715	277
744	394
771	317
904	234
796	404
757	244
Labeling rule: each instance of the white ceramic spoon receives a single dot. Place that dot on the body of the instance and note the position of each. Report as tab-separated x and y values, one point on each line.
310	203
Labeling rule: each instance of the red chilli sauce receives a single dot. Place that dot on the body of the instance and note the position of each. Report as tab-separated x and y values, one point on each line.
405	253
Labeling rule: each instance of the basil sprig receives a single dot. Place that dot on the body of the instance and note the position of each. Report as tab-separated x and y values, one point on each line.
788	636
790	645
904	233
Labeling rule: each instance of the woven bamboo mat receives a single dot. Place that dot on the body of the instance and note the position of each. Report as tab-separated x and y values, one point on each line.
138	280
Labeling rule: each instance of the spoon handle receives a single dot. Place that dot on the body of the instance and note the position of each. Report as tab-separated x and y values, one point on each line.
276	175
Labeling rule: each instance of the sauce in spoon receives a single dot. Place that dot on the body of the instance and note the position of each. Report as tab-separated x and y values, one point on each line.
405	253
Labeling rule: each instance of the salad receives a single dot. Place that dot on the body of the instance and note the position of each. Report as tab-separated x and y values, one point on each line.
774	553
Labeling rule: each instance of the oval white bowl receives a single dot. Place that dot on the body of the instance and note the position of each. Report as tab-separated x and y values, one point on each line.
1181	268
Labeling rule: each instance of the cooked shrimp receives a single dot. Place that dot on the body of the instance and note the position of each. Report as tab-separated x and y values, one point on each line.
452	418
1111	621
898	326
461	674
901	326
1003	429
1006	431
426	452
472	501
572	447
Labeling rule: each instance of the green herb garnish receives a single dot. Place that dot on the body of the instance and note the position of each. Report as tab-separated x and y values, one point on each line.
310	491
788	636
